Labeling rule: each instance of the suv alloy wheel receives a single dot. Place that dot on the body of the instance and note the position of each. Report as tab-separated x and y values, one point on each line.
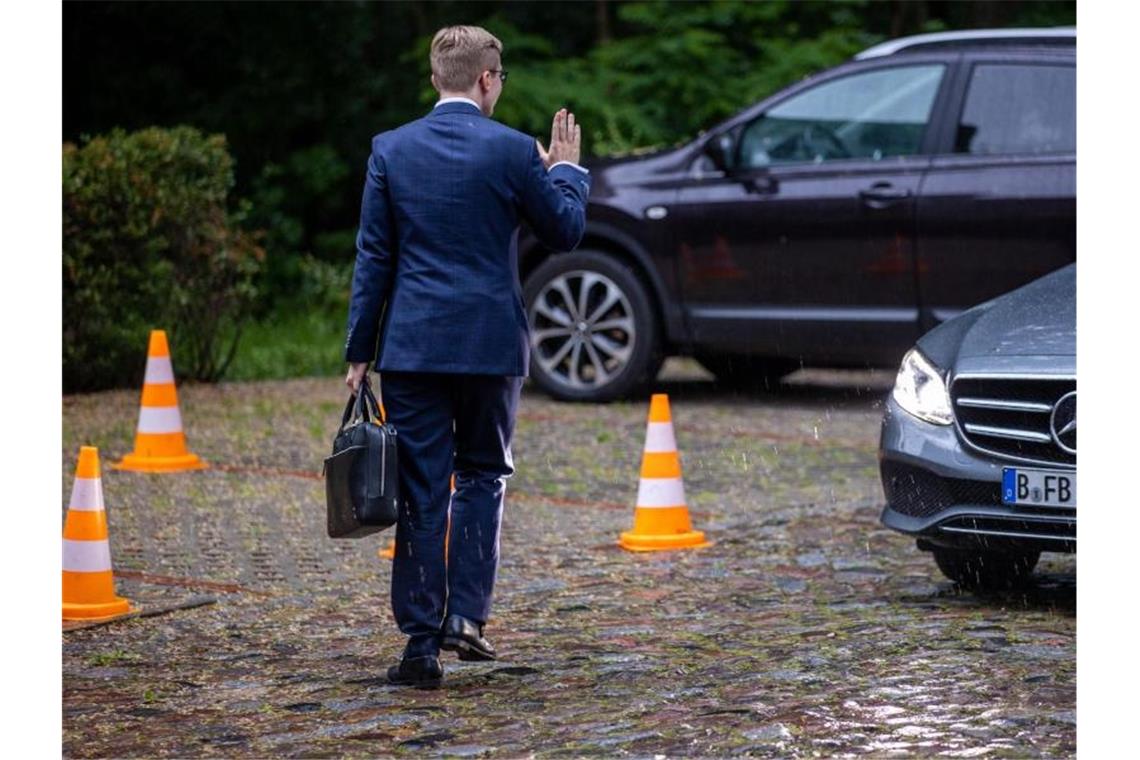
593	333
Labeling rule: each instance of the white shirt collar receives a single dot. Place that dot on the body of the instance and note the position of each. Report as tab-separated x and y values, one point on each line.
457	100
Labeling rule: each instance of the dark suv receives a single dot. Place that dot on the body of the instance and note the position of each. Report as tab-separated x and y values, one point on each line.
831	224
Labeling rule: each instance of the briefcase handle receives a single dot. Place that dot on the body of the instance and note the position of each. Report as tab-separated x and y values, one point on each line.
363	406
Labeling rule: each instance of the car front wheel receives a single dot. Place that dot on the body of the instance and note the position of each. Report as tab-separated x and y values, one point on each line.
593	332
986	571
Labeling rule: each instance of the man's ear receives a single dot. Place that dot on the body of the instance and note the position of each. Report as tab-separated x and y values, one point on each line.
434	84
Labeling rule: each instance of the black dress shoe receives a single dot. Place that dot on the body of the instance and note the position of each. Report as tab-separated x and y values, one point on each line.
466	637
421	672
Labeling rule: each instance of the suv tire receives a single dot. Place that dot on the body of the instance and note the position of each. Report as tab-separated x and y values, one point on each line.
570	358
986	571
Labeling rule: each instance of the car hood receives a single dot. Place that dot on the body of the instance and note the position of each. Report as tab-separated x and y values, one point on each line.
1032	329
1039	319
644	168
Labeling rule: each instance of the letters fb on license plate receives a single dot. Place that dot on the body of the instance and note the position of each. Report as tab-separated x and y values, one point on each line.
1038	488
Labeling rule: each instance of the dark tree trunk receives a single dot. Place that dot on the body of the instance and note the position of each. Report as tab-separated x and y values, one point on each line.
908	17
898	12
602	20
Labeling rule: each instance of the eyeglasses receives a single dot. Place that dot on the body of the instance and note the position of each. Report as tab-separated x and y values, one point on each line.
501	72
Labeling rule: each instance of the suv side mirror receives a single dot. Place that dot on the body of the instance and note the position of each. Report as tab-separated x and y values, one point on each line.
718	150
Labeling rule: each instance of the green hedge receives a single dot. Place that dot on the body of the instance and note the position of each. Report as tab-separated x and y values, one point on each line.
148	243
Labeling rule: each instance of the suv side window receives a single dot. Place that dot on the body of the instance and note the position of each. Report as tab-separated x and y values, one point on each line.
1019	109
869	115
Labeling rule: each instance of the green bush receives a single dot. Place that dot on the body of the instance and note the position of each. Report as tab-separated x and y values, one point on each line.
148	243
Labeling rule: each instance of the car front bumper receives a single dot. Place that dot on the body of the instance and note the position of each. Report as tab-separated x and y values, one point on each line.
944	494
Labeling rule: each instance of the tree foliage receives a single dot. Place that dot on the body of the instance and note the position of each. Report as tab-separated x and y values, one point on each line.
680	68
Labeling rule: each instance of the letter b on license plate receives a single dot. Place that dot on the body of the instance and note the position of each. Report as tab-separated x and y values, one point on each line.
1038	488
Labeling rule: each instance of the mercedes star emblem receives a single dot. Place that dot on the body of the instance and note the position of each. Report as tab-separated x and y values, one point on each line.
1063	422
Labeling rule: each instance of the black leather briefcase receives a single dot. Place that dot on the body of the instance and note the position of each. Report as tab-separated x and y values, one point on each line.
362	488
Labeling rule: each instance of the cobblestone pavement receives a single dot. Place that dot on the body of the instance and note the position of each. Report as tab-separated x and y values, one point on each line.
807	629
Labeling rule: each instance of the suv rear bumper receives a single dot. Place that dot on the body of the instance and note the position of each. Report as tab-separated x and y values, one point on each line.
945	495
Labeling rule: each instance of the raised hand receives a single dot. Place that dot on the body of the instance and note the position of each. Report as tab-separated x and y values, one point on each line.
565	140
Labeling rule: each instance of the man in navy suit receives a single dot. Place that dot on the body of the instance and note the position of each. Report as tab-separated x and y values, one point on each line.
437	261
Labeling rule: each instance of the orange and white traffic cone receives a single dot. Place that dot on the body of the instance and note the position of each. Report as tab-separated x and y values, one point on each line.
88	584
160	445
661	519
389	552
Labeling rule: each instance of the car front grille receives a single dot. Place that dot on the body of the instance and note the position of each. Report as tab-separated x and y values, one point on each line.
917	492
1010	416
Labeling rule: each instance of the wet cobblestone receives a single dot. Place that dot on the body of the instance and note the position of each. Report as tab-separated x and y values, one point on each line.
807	629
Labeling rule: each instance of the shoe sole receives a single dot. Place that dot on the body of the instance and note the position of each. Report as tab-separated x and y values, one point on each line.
425	683
418	684
466	652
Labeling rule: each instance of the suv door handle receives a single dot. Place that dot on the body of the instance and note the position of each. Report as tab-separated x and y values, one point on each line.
883	194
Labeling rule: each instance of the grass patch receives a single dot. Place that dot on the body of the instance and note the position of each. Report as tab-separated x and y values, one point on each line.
303	336
297	341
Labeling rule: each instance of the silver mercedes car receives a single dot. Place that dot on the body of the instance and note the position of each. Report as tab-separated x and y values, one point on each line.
978	454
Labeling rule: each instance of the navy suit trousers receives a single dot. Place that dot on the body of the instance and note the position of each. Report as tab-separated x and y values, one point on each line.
448	423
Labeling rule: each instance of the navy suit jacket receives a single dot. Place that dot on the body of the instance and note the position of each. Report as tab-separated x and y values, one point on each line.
437	250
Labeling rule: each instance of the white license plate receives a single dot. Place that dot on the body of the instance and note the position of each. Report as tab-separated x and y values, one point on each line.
1038	488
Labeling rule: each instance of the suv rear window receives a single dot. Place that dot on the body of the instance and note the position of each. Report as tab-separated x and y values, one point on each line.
1018	110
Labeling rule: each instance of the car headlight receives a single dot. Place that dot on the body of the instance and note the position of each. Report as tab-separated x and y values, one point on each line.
920	390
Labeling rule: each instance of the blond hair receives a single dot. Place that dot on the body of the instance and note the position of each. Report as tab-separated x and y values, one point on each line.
459	54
